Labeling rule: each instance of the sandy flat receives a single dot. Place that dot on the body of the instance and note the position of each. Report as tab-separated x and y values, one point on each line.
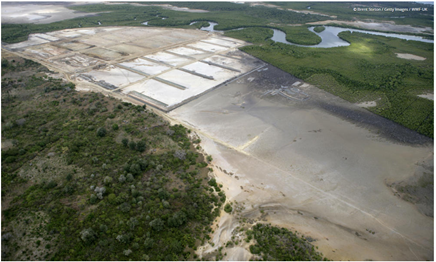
19	13
367	104
311	170
427	96
410	57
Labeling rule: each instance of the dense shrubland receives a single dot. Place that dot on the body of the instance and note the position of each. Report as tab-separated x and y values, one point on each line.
139	191
280	244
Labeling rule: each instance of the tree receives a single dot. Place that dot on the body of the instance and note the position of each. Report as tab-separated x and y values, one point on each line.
125	142
129	177
132	145
101	132
127	252
88	235
115	127
135	169
132	223
107	180
148	243
178	219
112	198
122	179
125	207
93	199
100	191
180	154
228	208
157	224
140	146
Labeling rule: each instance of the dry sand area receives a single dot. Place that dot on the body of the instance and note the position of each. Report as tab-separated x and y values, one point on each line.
38	13
161	67
312	169
410	57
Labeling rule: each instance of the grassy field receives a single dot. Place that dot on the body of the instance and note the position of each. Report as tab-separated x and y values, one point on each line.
367	70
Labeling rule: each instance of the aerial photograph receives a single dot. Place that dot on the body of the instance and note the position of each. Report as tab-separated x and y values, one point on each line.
217	131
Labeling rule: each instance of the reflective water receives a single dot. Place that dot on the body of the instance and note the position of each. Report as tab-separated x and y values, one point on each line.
330	37
210	28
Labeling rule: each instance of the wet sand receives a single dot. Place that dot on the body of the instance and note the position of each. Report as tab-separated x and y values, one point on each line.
313	169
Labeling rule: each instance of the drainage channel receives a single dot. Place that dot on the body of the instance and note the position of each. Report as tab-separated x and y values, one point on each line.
195	73
170	83
222	66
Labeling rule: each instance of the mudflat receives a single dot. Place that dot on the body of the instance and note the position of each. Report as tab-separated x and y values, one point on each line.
315	163
38	13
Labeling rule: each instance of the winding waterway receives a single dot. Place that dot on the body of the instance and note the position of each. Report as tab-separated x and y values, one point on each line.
329	36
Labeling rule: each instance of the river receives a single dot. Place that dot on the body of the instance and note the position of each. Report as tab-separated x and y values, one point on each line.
329	36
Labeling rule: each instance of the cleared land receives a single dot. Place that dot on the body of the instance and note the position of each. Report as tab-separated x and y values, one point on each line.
288	152
131	61
411	57
19	13
320	165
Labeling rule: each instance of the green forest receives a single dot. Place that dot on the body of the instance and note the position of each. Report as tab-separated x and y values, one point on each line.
92	178
88	177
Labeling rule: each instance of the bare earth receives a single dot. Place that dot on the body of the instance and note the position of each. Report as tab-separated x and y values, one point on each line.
410	57
19	13
367	104
428	96
310	170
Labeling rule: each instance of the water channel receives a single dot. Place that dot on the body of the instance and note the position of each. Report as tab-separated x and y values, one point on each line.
329	36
